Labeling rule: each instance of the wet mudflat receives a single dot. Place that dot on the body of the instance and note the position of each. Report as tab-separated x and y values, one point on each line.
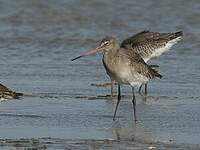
61	110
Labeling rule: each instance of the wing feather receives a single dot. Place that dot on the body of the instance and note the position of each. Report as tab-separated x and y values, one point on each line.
138	64
145	43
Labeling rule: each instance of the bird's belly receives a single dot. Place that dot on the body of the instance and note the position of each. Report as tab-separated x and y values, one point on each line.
122	76
123	73
126	76
138	79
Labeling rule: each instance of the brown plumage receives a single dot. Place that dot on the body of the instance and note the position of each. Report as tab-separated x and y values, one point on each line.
6	93
147	43
138	63
125	66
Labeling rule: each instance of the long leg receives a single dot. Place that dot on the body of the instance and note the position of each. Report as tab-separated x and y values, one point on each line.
140	88
118	100
112	87
134	105
145	89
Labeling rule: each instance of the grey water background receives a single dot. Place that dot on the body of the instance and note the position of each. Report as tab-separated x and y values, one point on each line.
61	109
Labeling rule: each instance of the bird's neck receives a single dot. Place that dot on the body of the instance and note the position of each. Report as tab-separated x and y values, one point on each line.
110	58
111	52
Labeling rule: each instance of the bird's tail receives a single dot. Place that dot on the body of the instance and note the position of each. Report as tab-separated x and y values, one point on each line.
176	35
179	33
154	66
158	75
154	73
19	94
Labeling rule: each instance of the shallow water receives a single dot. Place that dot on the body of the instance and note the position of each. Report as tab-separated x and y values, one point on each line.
61	109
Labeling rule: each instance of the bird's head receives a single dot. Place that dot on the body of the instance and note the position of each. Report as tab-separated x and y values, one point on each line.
107	44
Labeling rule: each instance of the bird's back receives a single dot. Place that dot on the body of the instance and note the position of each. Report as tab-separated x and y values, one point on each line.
139	65
127	66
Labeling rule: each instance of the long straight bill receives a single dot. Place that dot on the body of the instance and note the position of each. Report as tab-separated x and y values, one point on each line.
90	52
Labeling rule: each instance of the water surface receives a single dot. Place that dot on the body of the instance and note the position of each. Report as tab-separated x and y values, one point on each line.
61	108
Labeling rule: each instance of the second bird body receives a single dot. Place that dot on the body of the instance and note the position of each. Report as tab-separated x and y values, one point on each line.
149	45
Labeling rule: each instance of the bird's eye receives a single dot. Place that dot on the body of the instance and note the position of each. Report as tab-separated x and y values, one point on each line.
105	43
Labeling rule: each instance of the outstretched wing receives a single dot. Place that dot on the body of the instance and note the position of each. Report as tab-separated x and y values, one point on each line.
147	44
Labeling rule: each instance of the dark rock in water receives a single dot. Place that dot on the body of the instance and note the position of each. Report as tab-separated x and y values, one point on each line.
7	93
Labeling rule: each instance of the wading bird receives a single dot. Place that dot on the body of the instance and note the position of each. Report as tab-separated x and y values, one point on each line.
149	45
125	66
